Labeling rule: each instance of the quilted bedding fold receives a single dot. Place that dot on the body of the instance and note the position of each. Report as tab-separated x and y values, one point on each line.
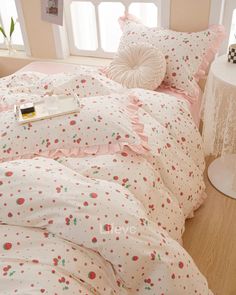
109	223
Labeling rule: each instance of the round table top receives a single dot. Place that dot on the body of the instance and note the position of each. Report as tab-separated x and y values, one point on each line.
224	70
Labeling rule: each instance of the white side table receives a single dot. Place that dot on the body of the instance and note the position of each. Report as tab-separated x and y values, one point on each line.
219	125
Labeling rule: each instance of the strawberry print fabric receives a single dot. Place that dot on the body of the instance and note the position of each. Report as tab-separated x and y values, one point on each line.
188	55
19	88
84	82
174	165
98	219
33	86
103	125
135	173
75	229
61	268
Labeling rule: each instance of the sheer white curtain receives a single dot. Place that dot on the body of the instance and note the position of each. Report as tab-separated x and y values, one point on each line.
147	12
232	38
110	31
95	25
84	25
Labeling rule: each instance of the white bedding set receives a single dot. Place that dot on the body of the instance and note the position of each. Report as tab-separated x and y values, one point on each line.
106	215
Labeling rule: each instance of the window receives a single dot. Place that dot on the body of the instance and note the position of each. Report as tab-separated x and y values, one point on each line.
8	10
232	38
224	12
93	27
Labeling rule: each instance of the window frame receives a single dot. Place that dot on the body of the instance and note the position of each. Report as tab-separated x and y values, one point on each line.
21	21
163	21
221	13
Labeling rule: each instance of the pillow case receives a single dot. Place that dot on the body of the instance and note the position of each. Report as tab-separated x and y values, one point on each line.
138	66
188	55
103	125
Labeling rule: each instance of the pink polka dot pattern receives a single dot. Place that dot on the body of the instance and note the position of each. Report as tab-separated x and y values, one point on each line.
104	125
187	54
104	224
55	244
42	263
176	147
84	82
135	173
32	86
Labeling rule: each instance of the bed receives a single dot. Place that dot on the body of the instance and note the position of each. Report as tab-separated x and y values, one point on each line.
95	202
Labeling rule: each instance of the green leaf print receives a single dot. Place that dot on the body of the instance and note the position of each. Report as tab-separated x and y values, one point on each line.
11	273
65	288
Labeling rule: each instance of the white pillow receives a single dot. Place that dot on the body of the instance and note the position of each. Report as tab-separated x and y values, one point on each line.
138	66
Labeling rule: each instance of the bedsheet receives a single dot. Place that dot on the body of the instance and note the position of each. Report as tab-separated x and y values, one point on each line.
102	224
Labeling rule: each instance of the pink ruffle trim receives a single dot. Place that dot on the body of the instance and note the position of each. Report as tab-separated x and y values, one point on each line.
183	93
211	51
204	66
113	148
127	17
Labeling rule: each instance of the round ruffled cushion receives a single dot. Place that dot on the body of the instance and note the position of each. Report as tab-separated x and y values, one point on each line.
138	66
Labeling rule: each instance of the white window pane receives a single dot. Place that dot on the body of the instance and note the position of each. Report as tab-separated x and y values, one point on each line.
110	31
84	25
8	10
232	38
1	39
146	12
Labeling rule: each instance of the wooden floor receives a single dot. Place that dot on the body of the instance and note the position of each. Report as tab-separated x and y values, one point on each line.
210	238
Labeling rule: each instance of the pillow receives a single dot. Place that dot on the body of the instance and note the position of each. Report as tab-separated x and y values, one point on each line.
187	54
138	66
103	125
